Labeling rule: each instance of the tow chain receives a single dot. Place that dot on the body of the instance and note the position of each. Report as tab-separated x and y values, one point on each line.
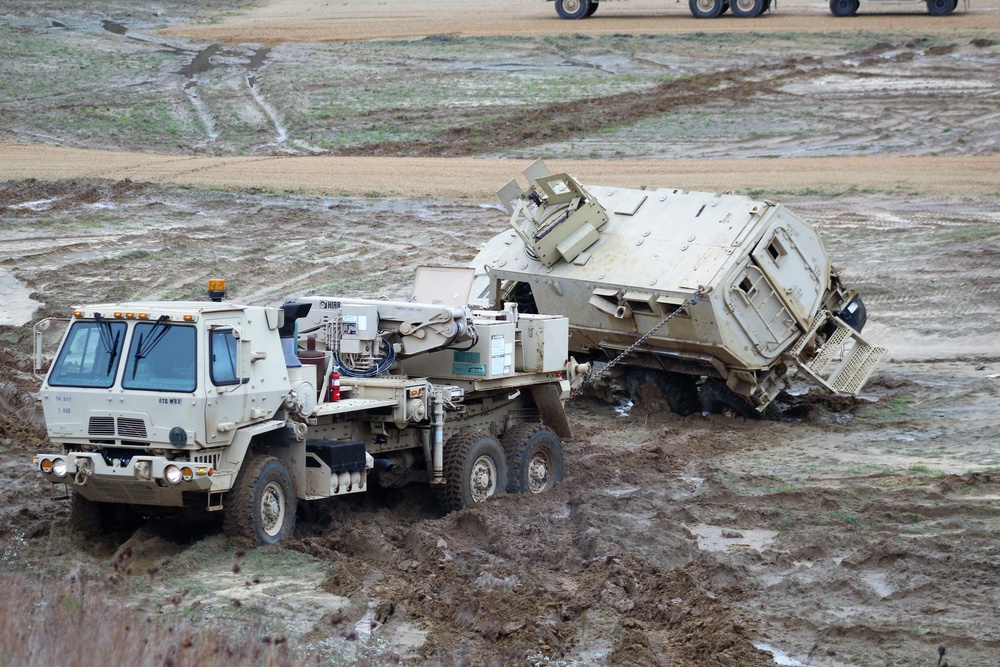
594	377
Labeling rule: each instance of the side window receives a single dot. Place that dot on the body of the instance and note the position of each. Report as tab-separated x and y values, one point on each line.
222	348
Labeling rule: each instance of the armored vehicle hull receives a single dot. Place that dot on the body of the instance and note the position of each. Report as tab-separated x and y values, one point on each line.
688	285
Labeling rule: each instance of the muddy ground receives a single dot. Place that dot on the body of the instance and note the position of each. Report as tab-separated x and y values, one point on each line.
852	533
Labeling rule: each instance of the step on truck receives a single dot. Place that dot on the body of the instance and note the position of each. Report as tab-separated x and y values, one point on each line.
212	406
715	299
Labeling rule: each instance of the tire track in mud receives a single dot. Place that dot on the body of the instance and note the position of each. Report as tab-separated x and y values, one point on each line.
257	61
523	128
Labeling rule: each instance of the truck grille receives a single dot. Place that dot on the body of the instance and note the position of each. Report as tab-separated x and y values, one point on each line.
102	426
131	428
127	427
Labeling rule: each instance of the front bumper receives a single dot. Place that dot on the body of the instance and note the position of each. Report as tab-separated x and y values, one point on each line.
141	480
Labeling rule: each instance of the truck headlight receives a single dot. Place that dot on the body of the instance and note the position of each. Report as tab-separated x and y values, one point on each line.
173	474
187	474
59	467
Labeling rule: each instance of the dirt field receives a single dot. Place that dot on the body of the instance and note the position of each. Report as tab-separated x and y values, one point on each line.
851	533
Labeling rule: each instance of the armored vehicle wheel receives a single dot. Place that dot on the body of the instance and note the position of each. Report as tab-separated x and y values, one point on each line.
717	398
845	7
573	9
705	9
941	7
725	8
92	519
678	389
593	8
534	458
261	507
474	469
767	6
747	9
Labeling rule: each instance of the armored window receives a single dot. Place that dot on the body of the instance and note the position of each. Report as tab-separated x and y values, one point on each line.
222	348
161	357
90	355
776	250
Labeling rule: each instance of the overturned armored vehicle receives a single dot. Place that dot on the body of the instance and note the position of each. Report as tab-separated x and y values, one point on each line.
715	299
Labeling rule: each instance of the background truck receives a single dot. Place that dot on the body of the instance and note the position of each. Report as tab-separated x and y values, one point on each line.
216	406
710	9
713	298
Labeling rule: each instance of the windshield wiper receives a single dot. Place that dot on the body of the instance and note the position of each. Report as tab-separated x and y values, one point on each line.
110	345
146	344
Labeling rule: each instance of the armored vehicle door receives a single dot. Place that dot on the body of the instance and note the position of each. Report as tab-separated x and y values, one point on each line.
760	311
227	380
792	257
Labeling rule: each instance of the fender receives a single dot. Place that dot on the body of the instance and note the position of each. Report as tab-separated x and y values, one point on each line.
223	480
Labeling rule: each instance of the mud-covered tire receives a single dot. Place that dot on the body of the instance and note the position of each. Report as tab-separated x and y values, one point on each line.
679	390
747	9
88	518
261	506
717	398
941	7
705	9
475	469
573	9
844	7
534	458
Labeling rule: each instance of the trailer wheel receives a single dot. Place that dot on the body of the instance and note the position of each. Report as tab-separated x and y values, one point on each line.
475	469
845	7
261	507
534	458
941	7
574	9
705	9
593	8
747	9
88	518
717	398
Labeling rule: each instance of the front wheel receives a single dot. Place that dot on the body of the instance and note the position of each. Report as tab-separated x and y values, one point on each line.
475	469
574	9
92	519
845	7
706	9
261	507
941	7
534	458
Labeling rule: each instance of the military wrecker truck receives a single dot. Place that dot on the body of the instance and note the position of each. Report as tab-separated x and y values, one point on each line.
245	410
715	299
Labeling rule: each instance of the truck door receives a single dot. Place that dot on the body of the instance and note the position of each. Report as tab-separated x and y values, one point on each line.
226	385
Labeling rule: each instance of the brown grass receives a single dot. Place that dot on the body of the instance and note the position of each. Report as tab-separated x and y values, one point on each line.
72	625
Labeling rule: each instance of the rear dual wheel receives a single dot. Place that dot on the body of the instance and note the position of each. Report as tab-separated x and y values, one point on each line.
534	458
747	9
706	9
475	469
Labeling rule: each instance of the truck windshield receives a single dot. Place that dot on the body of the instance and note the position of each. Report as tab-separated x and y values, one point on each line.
89	357
161	357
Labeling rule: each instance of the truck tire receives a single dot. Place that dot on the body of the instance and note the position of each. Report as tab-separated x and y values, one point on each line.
717	398
705	9
573	9
593	8
88	518
534	458
261	506
747	9
844	7
475	469
679	390
941	7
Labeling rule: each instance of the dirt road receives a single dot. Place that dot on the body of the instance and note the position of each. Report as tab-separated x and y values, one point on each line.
471	178
318	21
